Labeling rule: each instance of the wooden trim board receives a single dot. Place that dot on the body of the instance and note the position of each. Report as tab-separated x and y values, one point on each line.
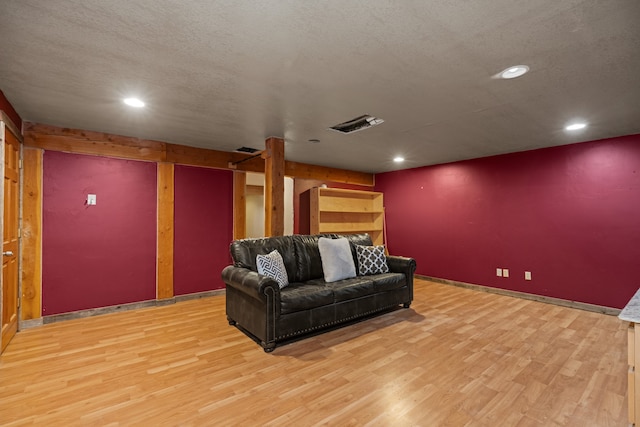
164	254
28	324
80	141
549	300
81	314
31	269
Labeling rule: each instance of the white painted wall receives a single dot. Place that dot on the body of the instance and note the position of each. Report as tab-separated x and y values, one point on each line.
255	207
255	215
288	205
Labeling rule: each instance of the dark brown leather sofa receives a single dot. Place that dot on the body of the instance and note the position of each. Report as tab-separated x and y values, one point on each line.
270	315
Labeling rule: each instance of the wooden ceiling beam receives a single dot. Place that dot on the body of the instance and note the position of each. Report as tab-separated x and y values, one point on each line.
79	141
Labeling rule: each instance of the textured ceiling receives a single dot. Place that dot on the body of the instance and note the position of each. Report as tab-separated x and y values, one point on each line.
225	74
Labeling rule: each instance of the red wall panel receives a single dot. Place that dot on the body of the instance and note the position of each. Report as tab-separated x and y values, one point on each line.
568	214
102	255
203	228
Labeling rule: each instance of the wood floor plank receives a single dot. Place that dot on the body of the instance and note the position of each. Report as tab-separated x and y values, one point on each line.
457	357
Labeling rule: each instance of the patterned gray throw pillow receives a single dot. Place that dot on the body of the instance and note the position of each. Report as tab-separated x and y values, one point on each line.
371	260
272	265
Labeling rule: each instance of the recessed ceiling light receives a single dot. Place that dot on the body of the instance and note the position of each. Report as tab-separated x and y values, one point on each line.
134	102
576	126
398	159
513	72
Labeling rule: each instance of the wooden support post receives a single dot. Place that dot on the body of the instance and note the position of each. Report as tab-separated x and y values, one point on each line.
239	205
31	298
274	187
166	201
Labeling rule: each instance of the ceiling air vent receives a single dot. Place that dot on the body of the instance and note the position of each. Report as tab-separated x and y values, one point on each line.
248	150
359	123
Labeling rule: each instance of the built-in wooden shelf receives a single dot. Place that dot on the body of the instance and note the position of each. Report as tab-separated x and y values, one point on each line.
336	210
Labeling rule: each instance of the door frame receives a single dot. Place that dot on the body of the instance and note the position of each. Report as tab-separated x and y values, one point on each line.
7	125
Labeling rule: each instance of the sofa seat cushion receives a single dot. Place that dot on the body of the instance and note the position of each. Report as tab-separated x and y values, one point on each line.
349	289
303	296
387	281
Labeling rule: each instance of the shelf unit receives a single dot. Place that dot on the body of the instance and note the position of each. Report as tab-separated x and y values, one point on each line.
336	210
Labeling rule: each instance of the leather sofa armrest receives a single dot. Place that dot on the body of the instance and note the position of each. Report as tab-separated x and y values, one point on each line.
249	282
400	264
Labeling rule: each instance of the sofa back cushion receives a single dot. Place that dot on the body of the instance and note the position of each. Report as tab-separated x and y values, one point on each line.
309	263
299	252
245	251
357	239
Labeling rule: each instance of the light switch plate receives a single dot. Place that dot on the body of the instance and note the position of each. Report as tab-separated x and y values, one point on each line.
91	199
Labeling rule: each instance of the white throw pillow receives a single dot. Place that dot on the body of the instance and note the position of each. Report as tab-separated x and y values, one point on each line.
337	261
371	260
272	265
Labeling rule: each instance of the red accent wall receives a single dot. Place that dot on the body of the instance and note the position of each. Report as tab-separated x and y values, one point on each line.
203	228
102	255
569	214
302	200
8	109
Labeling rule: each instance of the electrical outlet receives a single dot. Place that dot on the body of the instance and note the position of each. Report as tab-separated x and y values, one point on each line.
499	272
527	275
505	272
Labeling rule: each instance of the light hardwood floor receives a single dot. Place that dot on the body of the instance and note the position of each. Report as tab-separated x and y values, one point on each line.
457	357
